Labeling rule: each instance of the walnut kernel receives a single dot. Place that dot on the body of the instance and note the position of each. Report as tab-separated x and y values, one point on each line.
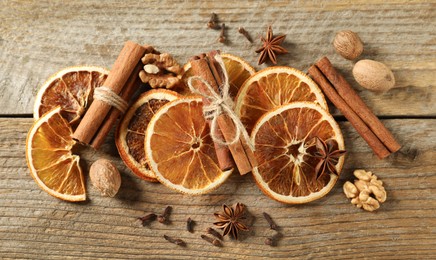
367	192
151	69
160	70
362	175
350	190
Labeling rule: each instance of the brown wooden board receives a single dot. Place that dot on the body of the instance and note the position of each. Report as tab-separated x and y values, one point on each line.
34	224
38	38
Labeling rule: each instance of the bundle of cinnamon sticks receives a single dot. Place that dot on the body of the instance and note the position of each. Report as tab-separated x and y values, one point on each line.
206	67
342	95
123	80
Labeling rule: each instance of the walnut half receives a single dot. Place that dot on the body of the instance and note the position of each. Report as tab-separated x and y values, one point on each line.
367	192
160	70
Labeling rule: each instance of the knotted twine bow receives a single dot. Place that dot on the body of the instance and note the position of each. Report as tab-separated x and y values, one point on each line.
220	103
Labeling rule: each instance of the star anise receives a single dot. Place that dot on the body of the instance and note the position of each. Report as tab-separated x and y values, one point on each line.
271	47
229	220
329	157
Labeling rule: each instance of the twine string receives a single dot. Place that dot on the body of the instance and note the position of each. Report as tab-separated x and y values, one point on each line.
220	103
105	94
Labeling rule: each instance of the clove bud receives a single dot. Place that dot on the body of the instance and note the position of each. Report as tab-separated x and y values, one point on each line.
147	219
164	217
214	233
176	241
271	223
269	241
222	38
189	225
213	241
213	22
242	31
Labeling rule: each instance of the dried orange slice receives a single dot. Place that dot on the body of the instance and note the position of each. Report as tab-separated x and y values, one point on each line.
130	134
71	89
237	69
50	160
179	148
285	150
271	88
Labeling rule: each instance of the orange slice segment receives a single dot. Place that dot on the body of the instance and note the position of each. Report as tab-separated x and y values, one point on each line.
285	149
271	88
71	89
130	134
50	160
237	69
180	150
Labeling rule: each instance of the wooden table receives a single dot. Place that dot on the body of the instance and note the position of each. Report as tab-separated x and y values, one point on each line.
38	38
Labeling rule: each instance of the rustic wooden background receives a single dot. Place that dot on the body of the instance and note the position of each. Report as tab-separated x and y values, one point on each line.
38	38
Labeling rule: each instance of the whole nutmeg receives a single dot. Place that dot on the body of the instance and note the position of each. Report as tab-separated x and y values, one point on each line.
348	44
105	177
373	75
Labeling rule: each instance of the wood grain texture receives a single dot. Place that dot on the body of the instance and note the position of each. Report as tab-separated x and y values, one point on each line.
38	38
34	224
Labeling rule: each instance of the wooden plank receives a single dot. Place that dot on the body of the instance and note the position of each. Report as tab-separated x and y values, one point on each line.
34	224
38	38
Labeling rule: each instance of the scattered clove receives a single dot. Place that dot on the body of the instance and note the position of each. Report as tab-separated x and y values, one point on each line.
213	241
271	223
189	225
147	218
164	217
214	233
213	22
222	37
176	241
269	241
242	31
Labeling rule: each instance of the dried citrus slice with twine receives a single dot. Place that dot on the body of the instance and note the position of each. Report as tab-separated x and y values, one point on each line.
71	89
130	134
285	150
271	88
179	148
237	69
50	160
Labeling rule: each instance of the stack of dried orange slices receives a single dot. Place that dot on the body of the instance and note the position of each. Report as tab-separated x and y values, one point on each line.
59	105
130	134
285	111
164	136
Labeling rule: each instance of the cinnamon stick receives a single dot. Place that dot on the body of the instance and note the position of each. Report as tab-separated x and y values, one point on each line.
122	69
244	158
376	145
242	154
128	90
356	103
126	94
199	66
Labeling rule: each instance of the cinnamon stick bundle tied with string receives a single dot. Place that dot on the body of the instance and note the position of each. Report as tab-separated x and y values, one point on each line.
112	98
342	95
210	80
